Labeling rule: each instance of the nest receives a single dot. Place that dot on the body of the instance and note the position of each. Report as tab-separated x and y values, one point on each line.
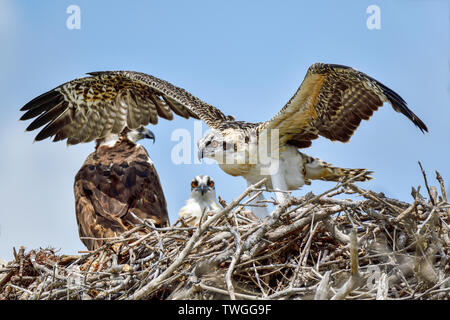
346	243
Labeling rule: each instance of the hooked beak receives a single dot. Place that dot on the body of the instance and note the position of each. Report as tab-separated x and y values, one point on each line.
200	153
150	135
203	189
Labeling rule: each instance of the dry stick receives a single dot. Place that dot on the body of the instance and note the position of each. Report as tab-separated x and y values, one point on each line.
305	253
322	214
315	198
290	291
258	281
253	238
426	183
265	256
383	287
256	236
271	221
53	281
335	232
100	249
259	232
437	285
246	203
121	237
102	254
19	288
323	290
274	218
225	292
42	268
342	202
434	194
234	260
442	185
152	285
21	258
443	192
305	250
406	212
430	215
355	277
369	195
274	272
6	279
116	289
15	255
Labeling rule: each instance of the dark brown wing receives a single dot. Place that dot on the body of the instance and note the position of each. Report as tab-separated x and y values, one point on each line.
112	184
331	102
90	108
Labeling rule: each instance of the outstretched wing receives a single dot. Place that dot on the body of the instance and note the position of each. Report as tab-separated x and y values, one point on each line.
93	107
331	102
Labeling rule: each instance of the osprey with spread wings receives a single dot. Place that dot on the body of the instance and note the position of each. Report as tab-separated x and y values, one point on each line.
331	102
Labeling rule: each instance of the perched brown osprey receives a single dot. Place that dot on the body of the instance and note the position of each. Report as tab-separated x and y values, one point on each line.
331	102
116	182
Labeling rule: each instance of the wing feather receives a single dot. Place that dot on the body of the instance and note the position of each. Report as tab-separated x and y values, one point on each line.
53	127
331	102
105	103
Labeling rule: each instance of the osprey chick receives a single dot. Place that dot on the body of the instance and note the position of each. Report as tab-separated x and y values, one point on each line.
201	202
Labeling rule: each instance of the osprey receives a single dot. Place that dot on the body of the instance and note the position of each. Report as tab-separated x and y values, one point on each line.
201	202
116	183
331	102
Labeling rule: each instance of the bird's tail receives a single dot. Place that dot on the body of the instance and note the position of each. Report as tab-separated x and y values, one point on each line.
317	169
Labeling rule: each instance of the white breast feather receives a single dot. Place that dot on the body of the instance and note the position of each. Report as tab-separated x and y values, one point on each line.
194	208
191	212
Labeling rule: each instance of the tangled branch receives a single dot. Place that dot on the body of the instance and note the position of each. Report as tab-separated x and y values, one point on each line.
346	243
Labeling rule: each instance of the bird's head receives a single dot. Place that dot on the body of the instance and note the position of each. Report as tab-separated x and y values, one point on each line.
140	133
203	185
217	146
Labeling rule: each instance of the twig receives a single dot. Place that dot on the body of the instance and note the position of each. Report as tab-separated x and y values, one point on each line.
355	277
323	289
426	183
234	260
154	283
286	255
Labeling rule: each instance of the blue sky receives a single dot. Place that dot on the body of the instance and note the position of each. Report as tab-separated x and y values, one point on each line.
246	58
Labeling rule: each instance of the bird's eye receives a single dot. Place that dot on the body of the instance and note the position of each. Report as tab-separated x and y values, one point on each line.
211	183
214	144
194	184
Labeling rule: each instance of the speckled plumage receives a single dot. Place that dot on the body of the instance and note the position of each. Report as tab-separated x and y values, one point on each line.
93	107
331	102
